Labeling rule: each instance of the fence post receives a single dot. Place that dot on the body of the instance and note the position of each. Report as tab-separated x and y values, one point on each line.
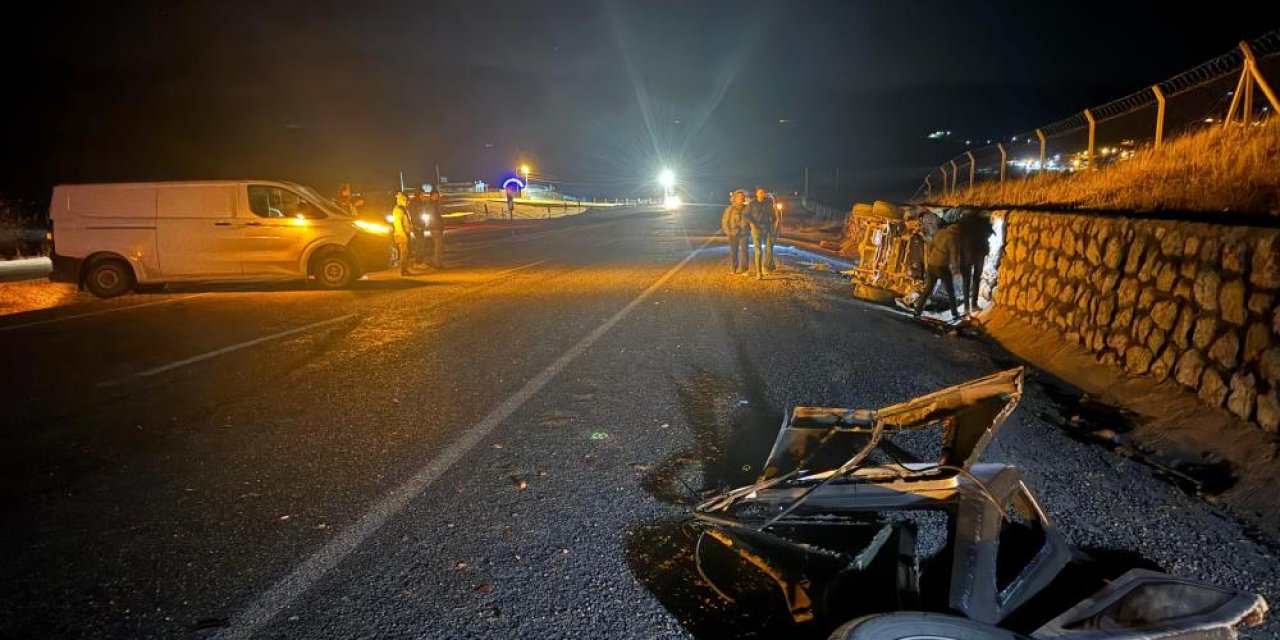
1235	97
1093	135
1040	134
1251	65
1004	159
1155	88
973	168
955	172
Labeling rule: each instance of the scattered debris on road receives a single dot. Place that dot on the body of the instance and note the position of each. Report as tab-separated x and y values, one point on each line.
840	527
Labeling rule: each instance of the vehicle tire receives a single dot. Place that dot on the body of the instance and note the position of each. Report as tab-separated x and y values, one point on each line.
108	277
333	270
919	626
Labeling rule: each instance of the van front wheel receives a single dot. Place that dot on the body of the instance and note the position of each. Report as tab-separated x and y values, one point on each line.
108	278
334	271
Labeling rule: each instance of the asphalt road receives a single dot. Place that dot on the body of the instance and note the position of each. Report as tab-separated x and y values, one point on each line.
501	449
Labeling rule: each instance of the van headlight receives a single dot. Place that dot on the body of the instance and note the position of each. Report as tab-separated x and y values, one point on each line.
376	228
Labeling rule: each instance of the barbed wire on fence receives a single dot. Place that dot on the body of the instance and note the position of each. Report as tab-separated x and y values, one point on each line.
1222	67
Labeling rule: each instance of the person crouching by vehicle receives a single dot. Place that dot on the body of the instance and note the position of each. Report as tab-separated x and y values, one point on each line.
762	217
733	223
401	230
434	228
941	262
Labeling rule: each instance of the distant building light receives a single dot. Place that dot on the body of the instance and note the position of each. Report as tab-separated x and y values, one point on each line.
1209	120
939	134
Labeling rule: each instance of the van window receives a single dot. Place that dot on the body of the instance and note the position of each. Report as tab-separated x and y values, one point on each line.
274	202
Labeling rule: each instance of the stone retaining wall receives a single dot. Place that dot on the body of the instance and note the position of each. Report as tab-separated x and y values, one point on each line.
1192	302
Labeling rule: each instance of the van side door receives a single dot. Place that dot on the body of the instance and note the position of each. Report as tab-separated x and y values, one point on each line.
281	226
197	234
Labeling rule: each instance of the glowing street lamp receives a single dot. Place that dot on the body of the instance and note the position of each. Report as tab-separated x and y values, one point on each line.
524	170
668	181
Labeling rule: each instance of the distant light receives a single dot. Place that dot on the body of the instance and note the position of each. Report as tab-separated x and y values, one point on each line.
524	168
783	121
1209	120
667	179
939	134
672	201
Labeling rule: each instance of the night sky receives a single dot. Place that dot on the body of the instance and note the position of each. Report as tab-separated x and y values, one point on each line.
596	96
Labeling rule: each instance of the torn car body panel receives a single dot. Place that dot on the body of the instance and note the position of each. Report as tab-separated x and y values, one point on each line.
835	487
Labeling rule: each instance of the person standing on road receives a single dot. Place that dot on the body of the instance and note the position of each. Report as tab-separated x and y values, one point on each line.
401	227
762	218
511	202
973	237
733	223
434	227
776	230
346	201
941	262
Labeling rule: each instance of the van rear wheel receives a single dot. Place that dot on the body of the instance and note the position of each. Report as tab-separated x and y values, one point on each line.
334	271
108	278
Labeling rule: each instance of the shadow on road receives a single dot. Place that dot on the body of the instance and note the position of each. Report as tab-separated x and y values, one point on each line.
293	285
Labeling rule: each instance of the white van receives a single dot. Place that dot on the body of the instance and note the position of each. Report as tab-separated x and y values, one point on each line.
111	238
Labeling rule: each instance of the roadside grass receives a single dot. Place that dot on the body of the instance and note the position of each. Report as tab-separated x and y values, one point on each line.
1212	169
21	235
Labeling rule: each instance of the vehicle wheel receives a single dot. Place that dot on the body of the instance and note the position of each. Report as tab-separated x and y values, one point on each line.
334	271
108	278
919	626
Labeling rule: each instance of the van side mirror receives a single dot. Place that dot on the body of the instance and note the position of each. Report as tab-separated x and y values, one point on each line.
308	211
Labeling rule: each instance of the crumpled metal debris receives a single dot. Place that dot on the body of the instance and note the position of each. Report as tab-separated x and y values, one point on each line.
837	504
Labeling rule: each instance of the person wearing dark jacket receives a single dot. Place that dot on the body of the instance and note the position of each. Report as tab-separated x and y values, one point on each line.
734	225
762	216
941	261
973	238
435	227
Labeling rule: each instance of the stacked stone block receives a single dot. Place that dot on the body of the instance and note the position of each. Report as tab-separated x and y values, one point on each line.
1190	302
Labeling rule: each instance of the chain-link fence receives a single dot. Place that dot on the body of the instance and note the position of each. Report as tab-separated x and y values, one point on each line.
1238	88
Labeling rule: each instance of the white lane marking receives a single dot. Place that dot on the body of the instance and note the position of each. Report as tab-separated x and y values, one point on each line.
37	323
522	267
283	593
223	351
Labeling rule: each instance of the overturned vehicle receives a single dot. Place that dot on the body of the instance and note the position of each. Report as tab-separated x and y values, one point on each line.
845	529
